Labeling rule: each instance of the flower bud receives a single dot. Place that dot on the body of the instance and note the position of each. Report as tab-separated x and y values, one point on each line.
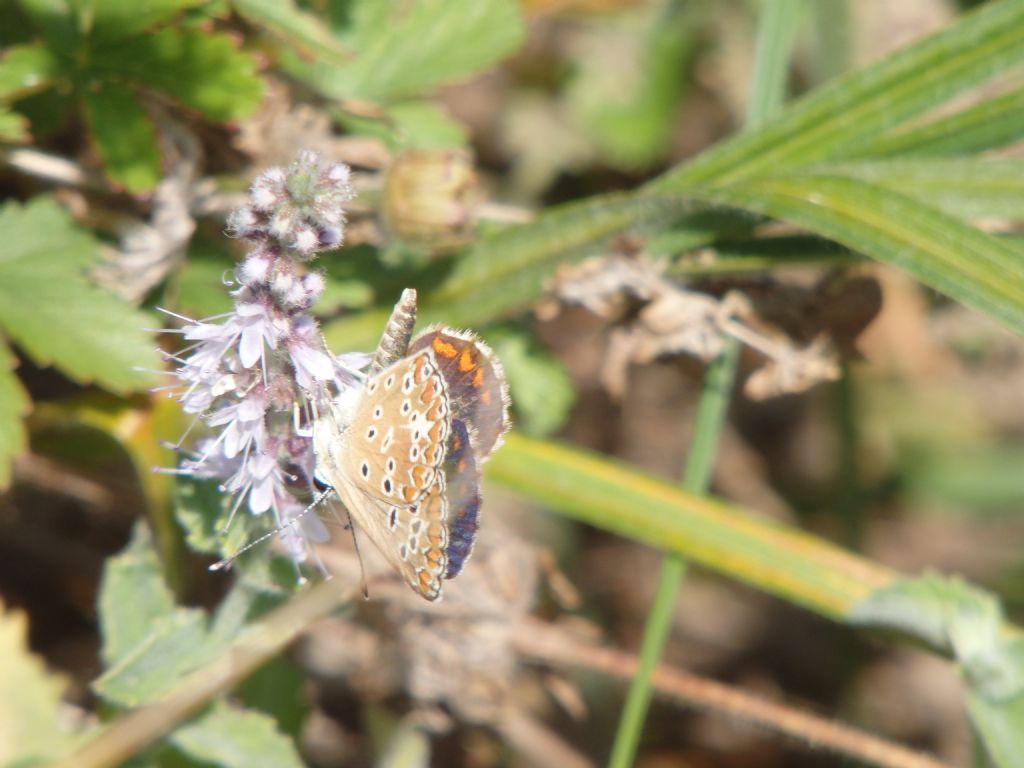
431	195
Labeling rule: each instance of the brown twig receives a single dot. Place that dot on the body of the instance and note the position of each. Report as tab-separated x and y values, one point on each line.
545	643
132	732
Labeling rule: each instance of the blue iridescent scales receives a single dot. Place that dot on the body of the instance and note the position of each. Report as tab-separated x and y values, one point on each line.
404	452
478	398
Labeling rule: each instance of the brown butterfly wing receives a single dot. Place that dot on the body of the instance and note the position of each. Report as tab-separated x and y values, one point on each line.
476	384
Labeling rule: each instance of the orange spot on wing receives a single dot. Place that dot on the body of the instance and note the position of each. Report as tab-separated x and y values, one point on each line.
478	378
443	348
485	397
466	361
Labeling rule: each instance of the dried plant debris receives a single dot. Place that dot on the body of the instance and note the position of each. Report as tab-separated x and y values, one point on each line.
798	332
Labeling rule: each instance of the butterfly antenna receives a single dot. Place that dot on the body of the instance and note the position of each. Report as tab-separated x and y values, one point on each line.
227	561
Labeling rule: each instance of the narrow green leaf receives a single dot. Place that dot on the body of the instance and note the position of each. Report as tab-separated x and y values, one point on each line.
776	32
504	272
30	698
51	310
977	47
971	266
124	136
403	49
133	596
14	405
232	737
989	124
25	69
110	21
296	27
967	188
200	69
762	553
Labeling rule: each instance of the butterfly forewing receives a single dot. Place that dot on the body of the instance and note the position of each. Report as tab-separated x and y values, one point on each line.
397	439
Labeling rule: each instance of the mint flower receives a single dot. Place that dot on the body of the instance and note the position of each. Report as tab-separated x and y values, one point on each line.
252	375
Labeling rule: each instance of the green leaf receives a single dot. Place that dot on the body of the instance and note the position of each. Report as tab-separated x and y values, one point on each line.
56	20
231	737
202	510
13	127
25	69
124	136
51	310
297	28
30	698
200	69
14	405
111	21
1001	727
133	596
504	272
403	49
541	390
968	622
425	125
776	558
176	644
978	269
990	124
963	187
855	108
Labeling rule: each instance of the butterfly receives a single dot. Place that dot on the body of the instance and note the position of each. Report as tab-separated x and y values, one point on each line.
403	452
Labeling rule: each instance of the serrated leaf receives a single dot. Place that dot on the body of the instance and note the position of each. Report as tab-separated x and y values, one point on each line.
30	698
200	69
175	645
51	310
298	28
133	597
25	69
110	21
1001	727
231	737
14	404
203	510
403	49
13	127
541	390
124	136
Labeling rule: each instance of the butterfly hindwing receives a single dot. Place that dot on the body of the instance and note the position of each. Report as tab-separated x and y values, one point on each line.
476	384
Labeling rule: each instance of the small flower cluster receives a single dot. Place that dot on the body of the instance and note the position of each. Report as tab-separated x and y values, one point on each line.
251	375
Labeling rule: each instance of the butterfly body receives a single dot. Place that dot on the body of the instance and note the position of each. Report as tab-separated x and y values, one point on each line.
403	453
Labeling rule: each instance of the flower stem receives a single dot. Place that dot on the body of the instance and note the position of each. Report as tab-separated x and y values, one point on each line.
711	409
776	32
